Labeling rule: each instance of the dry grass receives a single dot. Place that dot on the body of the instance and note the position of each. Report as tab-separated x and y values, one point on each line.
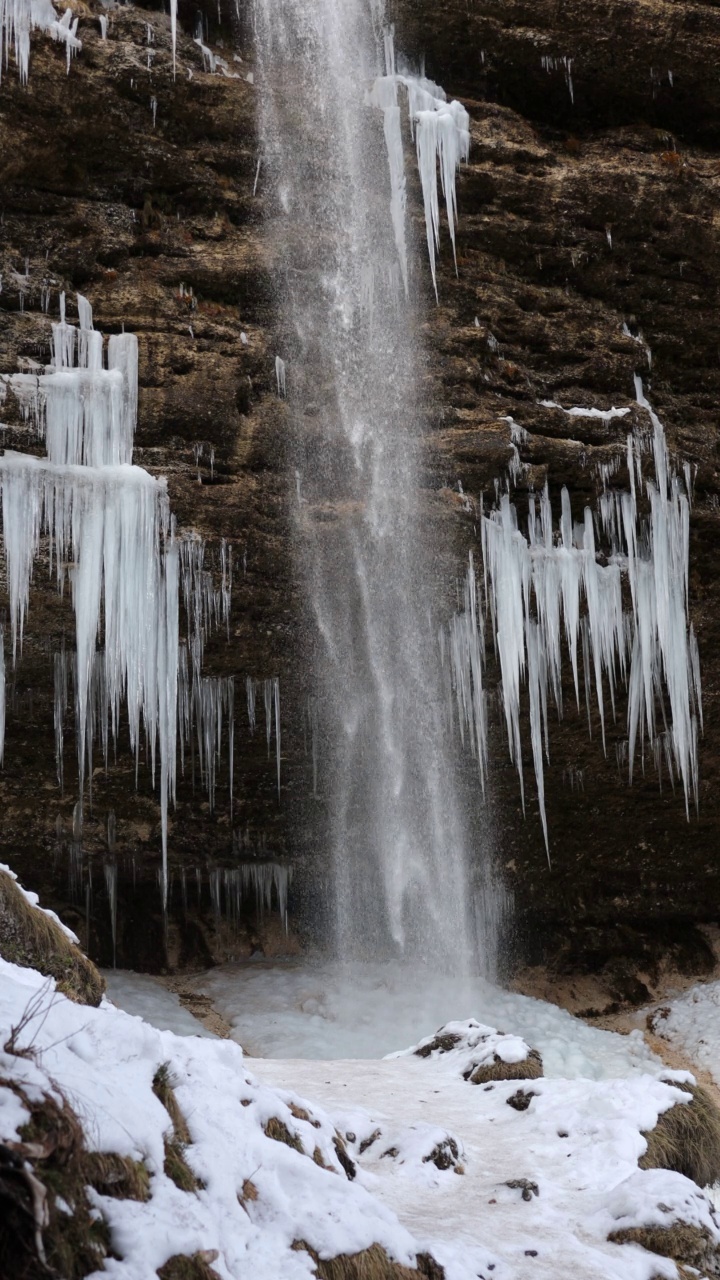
114	1175
442	1043
196	1266
279	1132
687	1139
178	1139
249	1192
531	1068
52	1151
30	938
683	1242
371	1264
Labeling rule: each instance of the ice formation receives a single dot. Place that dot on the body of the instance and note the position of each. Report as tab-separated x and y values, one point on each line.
110	534
18	18
228	887
550	587
442	135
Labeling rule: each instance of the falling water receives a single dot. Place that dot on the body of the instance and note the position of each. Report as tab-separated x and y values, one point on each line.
399	858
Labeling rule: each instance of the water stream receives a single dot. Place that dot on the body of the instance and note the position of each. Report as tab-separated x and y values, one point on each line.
352	375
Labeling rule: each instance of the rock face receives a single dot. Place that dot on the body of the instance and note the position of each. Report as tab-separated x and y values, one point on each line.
587	220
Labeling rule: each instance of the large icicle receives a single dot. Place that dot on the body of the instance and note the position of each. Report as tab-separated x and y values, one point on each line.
535	587
18	18
109	533
442	136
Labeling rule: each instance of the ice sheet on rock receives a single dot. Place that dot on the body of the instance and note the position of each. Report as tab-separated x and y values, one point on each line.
691	1024
86	414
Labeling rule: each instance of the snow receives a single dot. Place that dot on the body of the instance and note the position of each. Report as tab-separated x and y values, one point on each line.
104	1061
534	588
441	1165
691	1023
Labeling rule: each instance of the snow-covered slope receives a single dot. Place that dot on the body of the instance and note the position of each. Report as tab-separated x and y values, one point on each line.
515	1180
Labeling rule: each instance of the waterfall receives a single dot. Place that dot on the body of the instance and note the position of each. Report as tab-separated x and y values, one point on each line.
399	858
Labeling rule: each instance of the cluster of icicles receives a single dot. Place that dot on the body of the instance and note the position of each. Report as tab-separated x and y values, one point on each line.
442	136
110	534
19	17
550	585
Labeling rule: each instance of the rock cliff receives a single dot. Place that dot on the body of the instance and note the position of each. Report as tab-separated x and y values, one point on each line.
587	253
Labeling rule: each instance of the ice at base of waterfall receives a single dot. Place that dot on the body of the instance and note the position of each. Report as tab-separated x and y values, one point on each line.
145	997
293	1010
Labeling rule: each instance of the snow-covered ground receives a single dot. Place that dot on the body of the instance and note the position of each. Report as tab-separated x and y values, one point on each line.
690	1023
492	1191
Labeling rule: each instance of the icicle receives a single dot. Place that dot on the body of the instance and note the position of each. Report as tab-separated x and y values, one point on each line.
442	132
2	695
534	589
110	870
250	687
173	33
19	17
276	701
280	376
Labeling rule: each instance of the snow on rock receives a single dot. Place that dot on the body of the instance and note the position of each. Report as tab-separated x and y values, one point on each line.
480	1053
241	1129
691	1023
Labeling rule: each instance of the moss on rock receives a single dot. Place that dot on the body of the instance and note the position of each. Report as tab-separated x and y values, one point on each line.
31	938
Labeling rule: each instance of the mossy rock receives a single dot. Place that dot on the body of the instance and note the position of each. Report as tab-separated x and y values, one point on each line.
52	1152
195	1266
531	1068
684	1242
371	1264
34	940
686	1138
